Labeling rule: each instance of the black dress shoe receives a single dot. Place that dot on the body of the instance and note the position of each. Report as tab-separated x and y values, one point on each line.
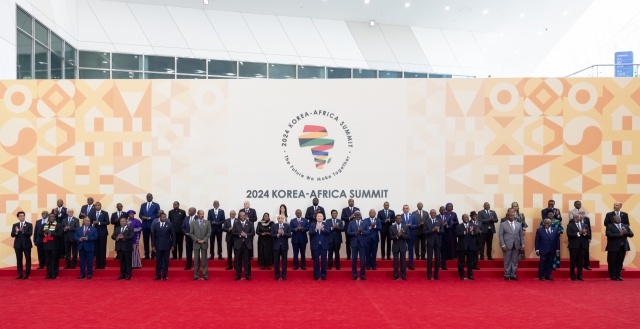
619	278
329	267
277	278
506	278
374	268
363	278
549	278
156	278
295	268
429	277
348	258
89	277
229	268
211	258
411	268
82	277
248	278
264	268
354	278
174	258
338	268
66	267
323	278
128	277
237	278
121	277
146	258
444	268
476	268
220	258
622	269
368	268
541	279
187	268
196	279
573	278
513	278
462	278
24	277
580	278
436	278
315	278
284	279
19	277
205	279
40	268
471	278
304	268
164	278
47	277
490	258
587	268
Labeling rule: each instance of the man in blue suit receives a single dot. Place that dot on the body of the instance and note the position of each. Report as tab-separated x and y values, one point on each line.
85	236
547	247
37	238
335	239
359	232
148	212
319	233
216	218
299	229
409	220
281	233
164	241
100	220
347	215
374	238
310	215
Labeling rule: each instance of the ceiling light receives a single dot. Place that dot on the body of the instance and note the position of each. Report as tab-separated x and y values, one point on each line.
446	8
366	1
517	51
485	11
372	22
502	34
406	4
521	15
566	12
206	2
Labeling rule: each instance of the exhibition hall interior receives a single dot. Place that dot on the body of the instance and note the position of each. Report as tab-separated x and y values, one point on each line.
344	162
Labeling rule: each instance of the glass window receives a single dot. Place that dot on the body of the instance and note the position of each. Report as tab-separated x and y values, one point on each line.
364	74
93	74
159	76
42	62
223	68
310	72
338	73
160	64
439	76
184	76
24	49
23	20
413	75
389	74
252	70
57	44
280	71
125	74
191	65
56	66
42	34
126	62
69	71
70	53
94	60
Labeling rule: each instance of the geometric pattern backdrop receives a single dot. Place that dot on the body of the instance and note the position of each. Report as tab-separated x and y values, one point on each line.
497	140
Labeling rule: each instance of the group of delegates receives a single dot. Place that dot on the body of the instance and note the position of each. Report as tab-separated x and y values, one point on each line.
423	235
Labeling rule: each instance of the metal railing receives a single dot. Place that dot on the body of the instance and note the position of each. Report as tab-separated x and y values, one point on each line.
607	70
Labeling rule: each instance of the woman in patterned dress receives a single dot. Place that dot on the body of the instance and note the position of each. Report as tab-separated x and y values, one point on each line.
519	217
137	229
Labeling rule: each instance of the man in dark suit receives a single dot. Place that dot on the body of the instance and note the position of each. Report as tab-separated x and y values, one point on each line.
399	234
115	219
148	212
123	237
410	221
176	217
243	232
488	218
100	220
164	241
310	215
335	239
547	245
21	234
579	237
586	222
299	229
70	224
51	238
37	238
61	213
387	217
228	229
252	216
347	215
358	230
85	237
466	233
186	227
216	218
474	220
318	234
433	231
280	232
624	217
374	238
617	246
556	212
421	240
86	209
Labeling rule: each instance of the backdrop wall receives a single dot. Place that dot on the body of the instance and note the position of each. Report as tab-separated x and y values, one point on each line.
464	141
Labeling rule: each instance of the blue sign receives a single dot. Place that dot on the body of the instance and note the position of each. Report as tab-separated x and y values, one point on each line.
624	57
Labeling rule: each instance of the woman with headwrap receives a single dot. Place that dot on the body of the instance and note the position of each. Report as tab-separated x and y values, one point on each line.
519	217
136	225
451	218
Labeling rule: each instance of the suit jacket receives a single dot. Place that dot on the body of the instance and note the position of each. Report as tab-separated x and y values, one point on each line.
22	239
467	241
239	241
281	242
219	220
69	234
83	209
61	215
319	238
361	239
37	238
127	243
176	217
487	224
624	218
374	232
399	244
200	232
346	213
309	215
383	218
92	235
615	241
252	215
509	238
57	238
299	236
433	238
228	225
103	221
336	235
420	216
558	214
164	238
115	219
477	223
576	241
151	213
411	224
186	225
547	243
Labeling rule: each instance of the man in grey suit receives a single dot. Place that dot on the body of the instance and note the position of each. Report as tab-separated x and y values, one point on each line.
511	239
70	225
488	218
421	239
200	232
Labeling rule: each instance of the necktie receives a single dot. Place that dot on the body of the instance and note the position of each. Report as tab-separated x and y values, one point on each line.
161	225
85	231
280	227
190	219
386	214
433	221
513	228
420	214
548	232
148	205
619	228
122	230
242	224
69	222
200	222
358	223
579	227
466	226
398	227
487	212
334	222
351	209
20	225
